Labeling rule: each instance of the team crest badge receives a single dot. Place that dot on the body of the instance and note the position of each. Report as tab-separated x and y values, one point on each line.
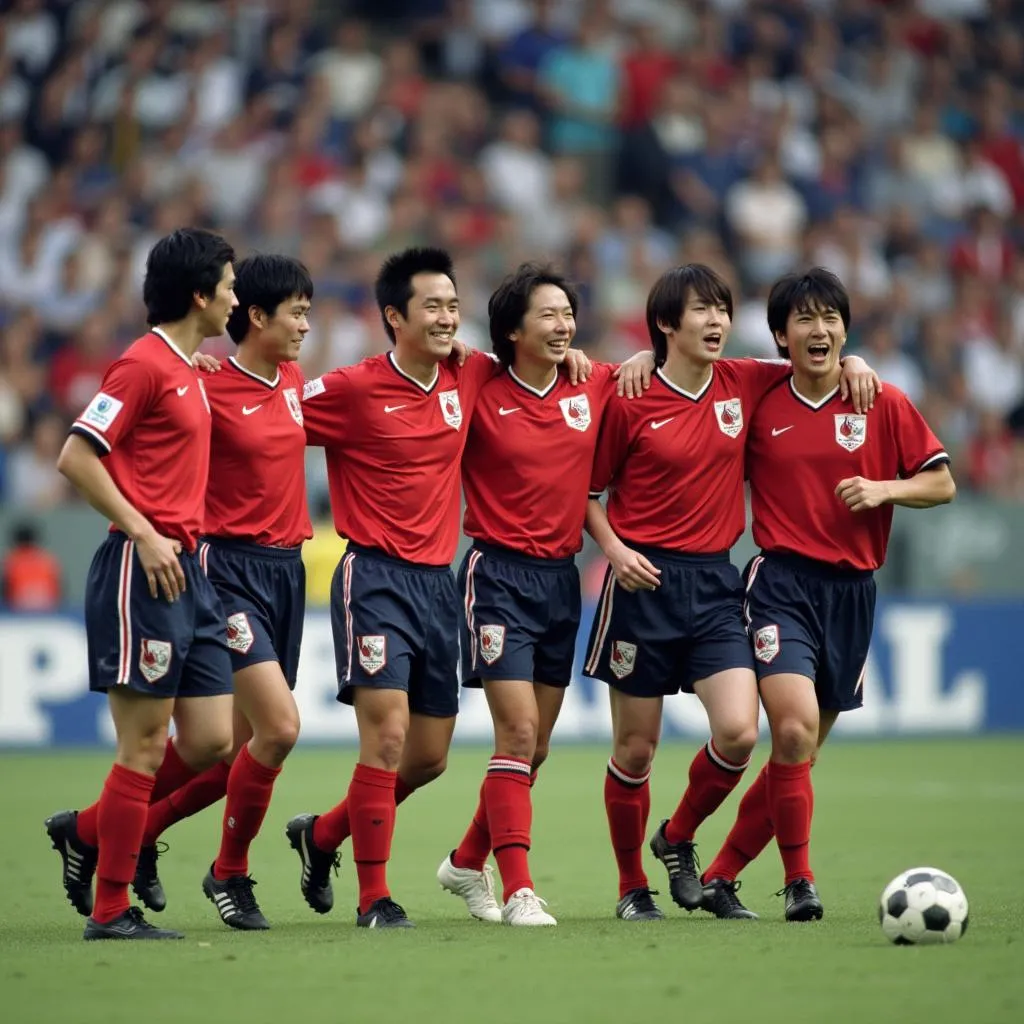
240	636
291	397
576	411
373	653
851	430
154	659
450	408
730	416
623	659
766	644
492	643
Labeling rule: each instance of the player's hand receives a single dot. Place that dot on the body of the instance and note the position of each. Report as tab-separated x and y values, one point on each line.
633	571
859	383
461	351
578	365
158	557
634	375
206	363
860	494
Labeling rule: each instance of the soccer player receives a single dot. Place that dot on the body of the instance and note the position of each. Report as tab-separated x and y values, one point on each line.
256	520
526	472
394	429
670	615
139	454
823	485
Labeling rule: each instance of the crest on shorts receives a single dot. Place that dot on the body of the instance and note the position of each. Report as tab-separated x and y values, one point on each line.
240	636
576	410
373	653
766	644
851	430
492	643
450	408
623	659
291	397
154	659
730	416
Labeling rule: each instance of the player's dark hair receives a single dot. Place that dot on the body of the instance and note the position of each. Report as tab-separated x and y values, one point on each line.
185	263
670	294
511	300
393	286
816	289
265	281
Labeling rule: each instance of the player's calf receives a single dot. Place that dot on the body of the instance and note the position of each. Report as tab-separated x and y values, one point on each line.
78	859
146	884
315	881
233	897
680	860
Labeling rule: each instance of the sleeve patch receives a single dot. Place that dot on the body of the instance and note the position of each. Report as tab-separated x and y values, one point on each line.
101	412
312	388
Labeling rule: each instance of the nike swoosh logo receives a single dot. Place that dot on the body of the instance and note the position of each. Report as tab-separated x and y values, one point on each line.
181	391
246	411
780	430
508	412
658	424
393	408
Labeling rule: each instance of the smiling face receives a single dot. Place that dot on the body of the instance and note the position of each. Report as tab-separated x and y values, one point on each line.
216	309
282	333
428	328
547	328
702	332
814	338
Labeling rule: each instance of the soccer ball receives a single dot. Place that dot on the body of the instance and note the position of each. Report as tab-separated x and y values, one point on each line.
923	906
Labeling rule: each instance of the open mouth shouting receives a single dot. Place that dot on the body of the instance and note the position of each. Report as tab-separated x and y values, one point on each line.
819	352
713	341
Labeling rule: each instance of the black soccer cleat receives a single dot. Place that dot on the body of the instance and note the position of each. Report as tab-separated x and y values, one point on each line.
316	863
802	901
129	925
235	902
680	860
146	884
719	898
383	913
639	905
79	859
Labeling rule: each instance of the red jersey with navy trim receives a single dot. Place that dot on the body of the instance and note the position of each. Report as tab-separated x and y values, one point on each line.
394	450
528	462
797	453
257	488
150	421
672	461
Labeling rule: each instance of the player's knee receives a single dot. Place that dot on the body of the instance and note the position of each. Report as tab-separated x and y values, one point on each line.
387	744
517	739
794	740
416	776
279	739
635	754
736	740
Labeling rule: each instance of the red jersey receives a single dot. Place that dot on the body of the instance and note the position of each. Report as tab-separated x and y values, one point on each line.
798	452
257	488
528	462
394	448
673	461
151	419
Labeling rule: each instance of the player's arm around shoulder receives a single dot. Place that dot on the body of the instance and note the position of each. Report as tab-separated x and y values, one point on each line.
924	479
325	405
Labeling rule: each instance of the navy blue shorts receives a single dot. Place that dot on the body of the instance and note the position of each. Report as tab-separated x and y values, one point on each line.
520	616
146	643
263	593
813	620
396	627
652	643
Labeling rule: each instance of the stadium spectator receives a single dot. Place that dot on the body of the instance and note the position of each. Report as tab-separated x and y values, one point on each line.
31	574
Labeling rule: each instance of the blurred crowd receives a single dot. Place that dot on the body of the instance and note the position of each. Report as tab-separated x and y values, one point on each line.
884	140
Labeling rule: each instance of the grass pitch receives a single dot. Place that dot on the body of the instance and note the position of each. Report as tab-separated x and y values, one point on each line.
881	808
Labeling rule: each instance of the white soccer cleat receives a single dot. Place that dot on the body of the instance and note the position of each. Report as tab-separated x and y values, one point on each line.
475	887
526	909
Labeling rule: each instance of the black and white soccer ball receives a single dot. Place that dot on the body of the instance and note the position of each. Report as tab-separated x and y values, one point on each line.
923	906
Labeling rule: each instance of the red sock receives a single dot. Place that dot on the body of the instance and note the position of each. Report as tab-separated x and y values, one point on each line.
627	801
712	778
371	805
509	816
476	843
751	833
202	792
123	805
250	786
791	799
172	774
333	827
86	824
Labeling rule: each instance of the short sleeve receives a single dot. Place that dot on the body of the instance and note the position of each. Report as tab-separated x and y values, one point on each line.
325	408
128	391
478	369
758	377
917	446
613	443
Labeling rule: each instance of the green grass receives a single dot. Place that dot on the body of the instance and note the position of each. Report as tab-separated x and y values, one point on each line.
881	808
